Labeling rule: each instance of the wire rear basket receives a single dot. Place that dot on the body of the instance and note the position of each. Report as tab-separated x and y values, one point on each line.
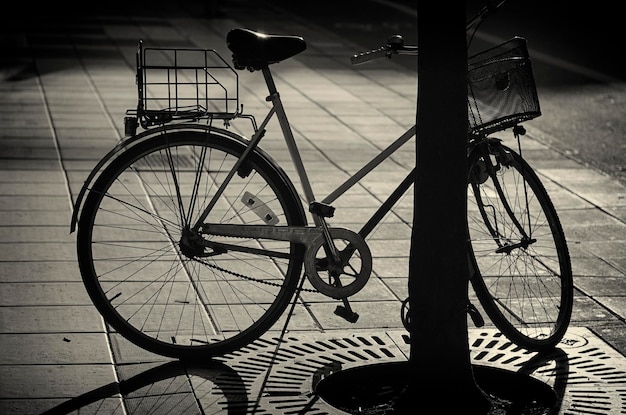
501	88
184	84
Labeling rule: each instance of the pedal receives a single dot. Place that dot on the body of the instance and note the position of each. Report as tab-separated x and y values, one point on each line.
347	313
474	314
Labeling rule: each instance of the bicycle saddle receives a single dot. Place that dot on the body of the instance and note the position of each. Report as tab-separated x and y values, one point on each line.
254	51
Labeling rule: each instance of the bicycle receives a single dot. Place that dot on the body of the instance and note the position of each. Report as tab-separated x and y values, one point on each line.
192	240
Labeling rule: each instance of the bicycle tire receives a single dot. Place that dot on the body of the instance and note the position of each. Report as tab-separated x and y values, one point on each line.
524	284
131	255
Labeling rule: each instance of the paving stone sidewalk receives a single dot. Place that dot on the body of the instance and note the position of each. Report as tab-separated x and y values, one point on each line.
65	85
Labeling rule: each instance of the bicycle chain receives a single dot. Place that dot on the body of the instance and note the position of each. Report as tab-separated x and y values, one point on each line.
314	243
248	278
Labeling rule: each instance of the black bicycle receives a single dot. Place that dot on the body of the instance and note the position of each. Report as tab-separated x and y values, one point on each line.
192	240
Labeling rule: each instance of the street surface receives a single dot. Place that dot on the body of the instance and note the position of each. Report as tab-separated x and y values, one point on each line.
576	55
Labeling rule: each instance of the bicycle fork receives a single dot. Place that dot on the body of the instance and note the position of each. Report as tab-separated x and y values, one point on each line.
487	170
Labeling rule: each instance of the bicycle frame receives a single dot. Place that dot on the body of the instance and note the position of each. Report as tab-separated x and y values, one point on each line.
311	236
302	236
308	235
279	110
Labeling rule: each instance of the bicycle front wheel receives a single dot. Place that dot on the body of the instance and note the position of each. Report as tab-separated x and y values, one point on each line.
159	285
521	266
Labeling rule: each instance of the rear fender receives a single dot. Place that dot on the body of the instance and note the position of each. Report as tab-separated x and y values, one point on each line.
135	140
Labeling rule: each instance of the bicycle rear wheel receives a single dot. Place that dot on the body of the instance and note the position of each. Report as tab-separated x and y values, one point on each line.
522	272
150	283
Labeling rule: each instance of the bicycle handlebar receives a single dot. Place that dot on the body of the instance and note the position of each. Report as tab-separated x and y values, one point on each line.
395	44
370	55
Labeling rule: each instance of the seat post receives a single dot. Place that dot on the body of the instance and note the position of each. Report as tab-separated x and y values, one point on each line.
274	98
269	80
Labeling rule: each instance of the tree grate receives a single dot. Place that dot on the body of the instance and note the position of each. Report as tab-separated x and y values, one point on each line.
278	376
587	375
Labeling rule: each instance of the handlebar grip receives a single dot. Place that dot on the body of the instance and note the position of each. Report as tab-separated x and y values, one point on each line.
368	56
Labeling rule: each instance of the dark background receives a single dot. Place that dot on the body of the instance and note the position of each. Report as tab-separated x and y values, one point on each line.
577	51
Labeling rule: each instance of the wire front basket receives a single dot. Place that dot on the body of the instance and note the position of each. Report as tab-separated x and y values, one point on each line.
184	84
501	88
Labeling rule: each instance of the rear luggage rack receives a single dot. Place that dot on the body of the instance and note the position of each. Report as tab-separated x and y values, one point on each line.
182	84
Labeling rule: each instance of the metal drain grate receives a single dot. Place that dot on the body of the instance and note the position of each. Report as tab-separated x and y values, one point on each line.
587	375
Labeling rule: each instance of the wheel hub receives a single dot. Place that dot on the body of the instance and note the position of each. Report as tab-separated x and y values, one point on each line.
191	244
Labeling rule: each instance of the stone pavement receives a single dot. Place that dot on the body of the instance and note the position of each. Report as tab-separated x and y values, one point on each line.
65	86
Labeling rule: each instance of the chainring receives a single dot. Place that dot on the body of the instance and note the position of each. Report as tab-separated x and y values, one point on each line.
355	263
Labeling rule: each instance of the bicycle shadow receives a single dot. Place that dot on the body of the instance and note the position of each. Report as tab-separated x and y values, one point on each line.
216	387
173	387
556	364
539	382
